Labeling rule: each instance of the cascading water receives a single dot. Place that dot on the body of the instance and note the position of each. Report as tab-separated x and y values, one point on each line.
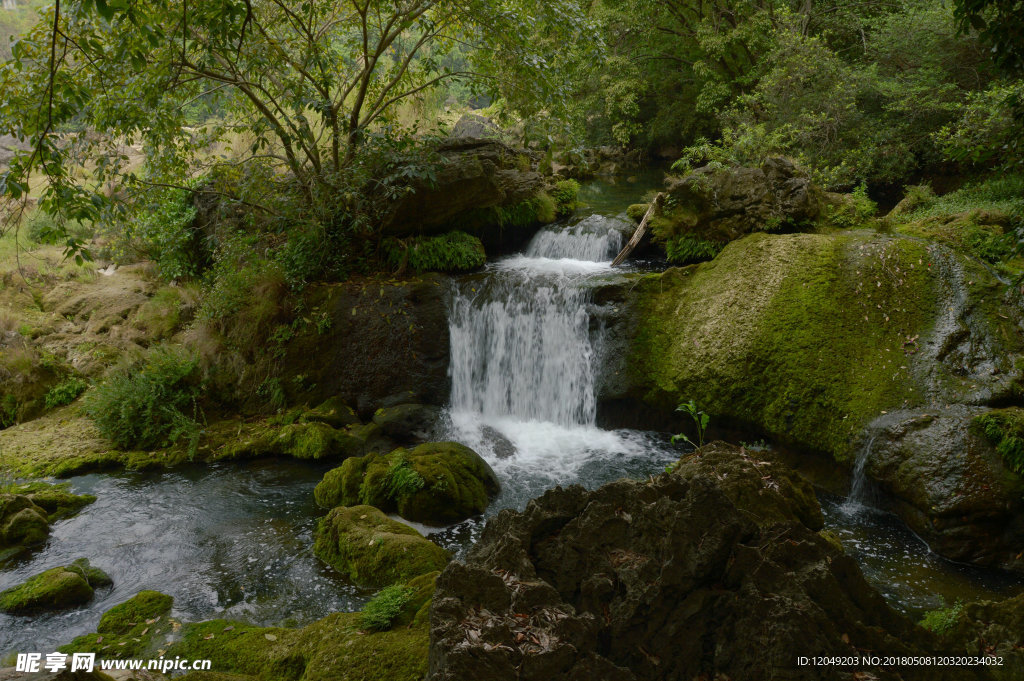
857	501
524	360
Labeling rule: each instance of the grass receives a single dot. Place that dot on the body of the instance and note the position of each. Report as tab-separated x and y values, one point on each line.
385	607
1004	193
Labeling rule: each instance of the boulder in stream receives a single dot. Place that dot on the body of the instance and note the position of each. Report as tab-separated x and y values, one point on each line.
22	524
374	550
58	588
715	570
435	483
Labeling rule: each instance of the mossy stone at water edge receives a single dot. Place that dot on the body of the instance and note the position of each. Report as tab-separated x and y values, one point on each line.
56	589
56	499
435	483
374	550
130	629
332	411
22	524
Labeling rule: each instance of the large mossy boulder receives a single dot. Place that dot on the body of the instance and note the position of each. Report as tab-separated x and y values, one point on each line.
990	629
435	483
405	423
374	550
677	577
59	588
809	338
131	629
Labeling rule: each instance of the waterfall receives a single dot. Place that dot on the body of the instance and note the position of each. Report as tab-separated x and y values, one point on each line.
858	486
525	360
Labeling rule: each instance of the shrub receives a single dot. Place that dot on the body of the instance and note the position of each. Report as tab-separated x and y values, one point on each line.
385	607
856	210
166	234
42	228
451	252
566	197
65	392
942	621
151	404
689	249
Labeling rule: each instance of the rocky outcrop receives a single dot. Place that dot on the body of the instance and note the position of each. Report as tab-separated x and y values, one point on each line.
58	588
131	629
436	483
711	206
808	338
949	484
715	570
991	629
480	186
381	344
374	550
22	524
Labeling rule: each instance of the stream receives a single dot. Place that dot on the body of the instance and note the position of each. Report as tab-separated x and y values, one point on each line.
235	540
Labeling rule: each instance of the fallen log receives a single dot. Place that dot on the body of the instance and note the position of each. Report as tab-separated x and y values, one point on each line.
640	231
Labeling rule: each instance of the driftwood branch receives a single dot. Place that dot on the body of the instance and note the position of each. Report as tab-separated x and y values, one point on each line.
640	231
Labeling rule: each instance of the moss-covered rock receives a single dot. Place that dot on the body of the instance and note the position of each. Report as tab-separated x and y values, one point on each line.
810	338
56	499
56	589
406	423
22	524
133	628
989	628
333	411
374	550
335	648
1004	428
435	483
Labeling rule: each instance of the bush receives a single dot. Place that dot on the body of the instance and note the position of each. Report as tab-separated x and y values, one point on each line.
166	235
65	392
42	228
566	196
451	252
1004	428
942	621
855	211
689	249
385	607
151	404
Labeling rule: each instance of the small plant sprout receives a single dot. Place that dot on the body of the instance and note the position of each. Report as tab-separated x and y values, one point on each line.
700	420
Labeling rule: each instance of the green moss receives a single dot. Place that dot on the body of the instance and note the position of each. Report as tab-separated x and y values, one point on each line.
805	337
382	610
452	252
436	483
56	499
374	550
333	648
637	211
59	588
160	316
132	629
1004	428
22	524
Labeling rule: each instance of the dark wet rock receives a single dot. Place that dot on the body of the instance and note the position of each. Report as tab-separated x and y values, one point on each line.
706	572
374	550
435	483
406	423
479	186
500	445
58	588
949	484
384	339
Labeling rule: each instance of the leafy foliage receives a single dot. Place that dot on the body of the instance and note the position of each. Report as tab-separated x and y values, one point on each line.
1004	428
451	252
402	479
151	404
385	607
943	620
164	233
65	392
688	249
700	422
566	197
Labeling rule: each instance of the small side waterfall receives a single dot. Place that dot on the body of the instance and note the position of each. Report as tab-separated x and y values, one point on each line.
857	501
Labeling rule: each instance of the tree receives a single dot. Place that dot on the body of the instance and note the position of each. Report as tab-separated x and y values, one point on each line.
303	83
1001	24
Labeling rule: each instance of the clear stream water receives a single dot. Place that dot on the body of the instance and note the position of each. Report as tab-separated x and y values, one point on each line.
234	540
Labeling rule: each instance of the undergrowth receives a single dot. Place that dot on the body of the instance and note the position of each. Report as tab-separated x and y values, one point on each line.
385	607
